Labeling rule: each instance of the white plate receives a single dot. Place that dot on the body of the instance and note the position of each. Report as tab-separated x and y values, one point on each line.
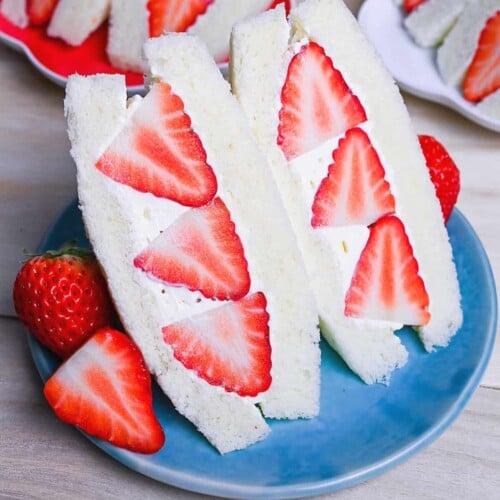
413	67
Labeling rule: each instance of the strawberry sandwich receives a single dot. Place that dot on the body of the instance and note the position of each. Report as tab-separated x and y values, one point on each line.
457	52
353	179
200	257
72	21
133	21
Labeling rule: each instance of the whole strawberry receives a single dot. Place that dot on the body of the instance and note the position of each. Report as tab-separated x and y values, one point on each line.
444	173
62	298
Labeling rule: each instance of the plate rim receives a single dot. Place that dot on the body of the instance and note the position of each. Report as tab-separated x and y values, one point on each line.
191	482
444	95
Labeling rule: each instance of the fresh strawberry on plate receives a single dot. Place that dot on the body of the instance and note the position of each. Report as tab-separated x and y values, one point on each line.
105	390
62	298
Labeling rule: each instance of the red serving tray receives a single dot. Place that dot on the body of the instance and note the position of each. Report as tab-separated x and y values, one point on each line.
57	60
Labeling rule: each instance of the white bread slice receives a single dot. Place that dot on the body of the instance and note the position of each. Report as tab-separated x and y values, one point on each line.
490	105
74	20
15	12
260	58
457	51
129	28
431	21
118	219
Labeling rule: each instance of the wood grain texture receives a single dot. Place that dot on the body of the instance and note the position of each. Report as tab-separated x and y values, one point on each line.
41	457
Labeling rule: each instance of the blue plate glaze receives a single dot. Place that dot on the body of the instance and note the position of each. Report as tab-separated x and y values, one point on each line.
361	431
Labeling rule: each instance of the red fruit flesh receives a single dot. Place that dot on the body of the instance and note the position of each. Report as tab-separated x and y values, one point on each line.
483	75
316	103
228	346
201	251
355	190
40	11
386	284
410	5
443	171
105	390
159	153
174	15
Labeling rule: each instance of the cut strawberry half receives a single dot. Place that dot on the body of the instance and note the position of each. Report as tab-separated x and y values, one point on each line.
444	173
158	152
483	75
355	190
174	15
228	346
201	251
40	11
410	5
105	390
316	103
386	284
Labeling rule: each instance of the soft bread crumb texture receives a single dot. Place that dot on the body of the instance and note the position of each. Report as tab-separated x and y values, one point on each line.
73	21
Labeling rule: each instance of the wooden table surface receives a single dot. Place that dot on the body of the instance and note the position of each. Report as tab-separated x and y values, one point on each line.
42	458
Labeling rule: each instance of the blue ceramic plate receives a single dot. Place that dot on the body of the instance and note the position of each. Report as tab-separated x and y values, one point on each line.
361	431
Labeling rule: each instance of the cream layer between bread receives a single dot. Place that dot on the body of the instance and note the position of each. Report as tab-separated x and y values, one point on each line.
261	53
96	112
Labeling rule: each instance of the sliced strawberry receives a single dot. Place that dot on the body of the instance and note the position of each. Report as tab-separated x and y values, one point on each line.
228	346
386	284
410	5
201	251
444	173
355	190
483	75
40	11
158	152
316	103
174	15
275	3
105	390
